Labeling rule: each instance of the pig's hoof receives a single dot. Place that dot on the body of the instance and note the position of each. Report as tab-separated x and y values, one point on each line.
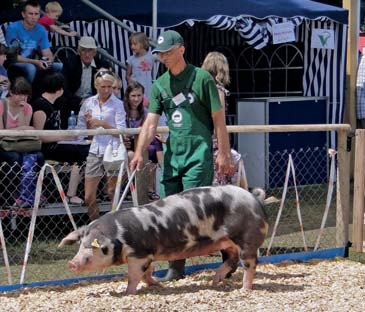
131	292
217	278
247	286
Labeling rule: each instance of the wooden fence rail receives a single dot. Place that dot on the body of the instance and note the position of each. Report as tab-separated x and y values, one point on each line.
343	168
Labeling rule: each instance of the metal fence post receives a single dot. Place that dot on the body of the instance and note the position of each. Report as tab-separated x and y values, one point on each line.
343	190
359	189
142	178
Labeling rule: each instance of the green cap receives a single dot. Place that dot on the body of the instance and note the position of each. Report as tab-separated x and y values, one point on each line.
167	40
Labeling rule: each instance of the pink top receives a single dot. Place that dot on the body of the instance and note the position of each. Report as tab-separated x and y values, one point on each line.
46	22
13	121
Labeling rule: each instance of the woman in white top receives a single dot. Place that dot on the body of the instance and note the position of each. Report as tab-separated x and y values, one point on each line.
106	111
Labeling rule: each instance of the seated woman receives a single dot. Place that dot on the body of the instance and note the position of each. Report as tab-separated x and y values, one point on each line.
16	114
103	110
46	116
136	113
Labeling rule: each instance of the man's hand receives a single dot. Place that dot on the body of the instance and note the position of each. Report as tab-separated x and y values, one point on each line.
42	65
224	164
136	162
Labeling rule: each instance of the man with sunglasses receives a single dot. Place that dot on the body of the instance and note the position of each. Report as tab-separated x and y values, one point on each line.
189	98
79	71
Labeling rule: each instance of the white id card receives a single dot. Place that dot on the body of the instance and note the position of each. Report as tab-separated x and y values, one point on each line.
178	99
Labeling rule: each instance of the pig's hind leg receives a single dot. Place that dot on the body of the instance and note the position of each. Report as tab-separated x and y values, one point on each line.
147	277
138	269
249	265
229	265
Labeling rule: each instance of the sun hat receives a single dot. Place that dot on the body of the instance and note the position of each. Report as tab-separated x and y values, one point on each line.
167	40
87	43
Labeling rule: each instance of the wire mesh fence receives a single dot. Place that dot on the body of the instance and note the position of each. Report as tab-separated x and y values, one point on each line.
47	262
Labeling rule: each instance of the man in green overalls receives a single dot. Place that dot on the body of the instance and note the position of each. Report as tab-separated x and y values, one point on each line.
189	98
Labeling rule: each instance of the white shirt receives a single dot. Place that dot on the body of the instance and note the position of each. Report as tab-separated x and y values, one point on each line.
85	89
112	112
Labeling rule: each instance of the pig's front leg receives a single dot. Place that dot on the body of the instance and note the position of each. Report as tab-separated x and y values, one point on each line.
227	266
136	272
250	270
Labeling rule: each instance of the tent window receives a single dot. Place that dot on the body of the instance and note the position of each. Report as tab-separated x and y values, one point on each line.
272	71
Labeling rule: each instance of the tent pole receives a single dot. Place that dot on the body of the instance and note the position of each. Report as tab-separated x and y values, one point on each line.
111	17
154	19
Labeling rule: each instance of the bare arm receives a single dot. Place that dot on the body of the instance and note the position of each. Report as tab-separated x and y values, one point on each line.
37	63
39	120
129	73
223	161
147	134
61	31
48	53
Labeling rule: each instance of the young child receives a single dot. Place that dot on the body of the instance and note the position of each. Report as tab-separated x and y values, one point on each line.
48	20
136	113
117	87
139	65
217	65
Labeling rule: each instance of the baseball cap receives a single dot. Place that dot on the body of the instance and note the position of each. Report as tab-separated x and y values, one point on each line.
87	43
167	40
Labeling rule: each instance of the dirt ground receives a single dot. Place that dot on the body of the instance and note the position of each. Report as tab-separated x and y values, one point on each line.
333	285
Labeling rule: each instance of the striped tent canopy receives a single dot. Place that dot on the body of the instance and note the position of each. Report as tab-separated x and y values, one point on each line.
251	20
172	13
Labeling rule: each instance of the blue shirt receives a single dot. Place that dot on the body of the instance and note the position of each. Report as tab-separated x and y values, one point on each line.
3	71
29	40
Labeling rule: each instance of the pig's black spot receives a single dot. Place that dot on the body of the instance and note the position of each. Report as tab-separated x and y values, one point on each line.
104	250
117	252
154	209
160	203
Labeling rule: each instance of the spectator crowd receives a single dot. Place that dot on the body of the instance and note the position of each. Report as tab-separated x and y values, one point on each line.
81	92
37	92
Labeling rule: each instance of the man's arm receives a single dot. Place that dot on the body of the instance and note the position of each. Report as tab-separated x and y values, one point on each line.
145	137
48	53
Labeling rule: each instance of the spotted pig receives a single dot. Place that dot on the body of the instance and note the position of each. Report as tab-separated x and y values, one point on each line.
195	222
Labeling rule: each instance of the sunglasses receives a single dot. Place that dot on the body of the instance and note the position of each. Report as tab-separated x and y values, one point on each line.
103	73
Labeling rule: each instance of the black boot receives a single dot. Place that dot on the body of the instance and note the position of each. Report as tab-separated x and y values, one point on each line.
175	272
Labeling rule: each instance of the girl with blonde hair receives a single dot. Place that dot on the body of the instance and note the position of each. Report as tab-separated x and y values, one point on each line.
217	65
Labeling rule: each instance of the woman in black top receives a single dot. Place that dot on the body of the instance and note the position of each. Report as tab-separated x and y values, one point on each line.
46	117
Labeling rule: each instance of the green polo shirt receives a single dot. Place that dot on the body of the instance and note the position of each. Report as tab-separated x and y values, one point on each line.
204	88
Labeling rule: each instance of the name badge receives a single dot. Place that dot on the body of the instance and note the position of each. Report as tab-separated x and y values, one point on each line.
178	99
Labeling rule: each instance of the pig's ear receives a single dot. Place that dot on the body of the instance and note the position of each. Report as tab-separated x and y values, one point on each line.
72	237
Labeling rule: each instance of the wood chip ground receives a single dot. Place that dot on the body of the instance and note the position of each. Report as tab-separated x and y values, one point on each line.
336	285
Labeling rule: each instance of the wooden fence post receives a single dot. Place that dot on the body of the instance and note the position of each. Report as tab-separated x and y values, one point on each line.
359	189
343	190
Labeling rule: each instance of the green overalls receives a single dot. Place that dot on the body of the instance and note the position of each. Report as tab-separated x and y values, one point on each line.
188	159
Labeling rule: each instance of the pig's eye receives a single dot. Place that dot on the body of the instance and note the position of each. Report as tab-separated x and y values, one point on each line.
104	250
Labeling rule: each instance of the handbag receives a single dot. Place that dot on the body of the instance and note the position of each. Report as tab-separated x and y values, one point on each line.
20	144
113	158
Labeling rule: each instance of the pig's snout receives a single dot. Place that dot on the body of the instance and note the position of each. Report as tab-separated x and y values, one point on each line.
73	266
77	266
